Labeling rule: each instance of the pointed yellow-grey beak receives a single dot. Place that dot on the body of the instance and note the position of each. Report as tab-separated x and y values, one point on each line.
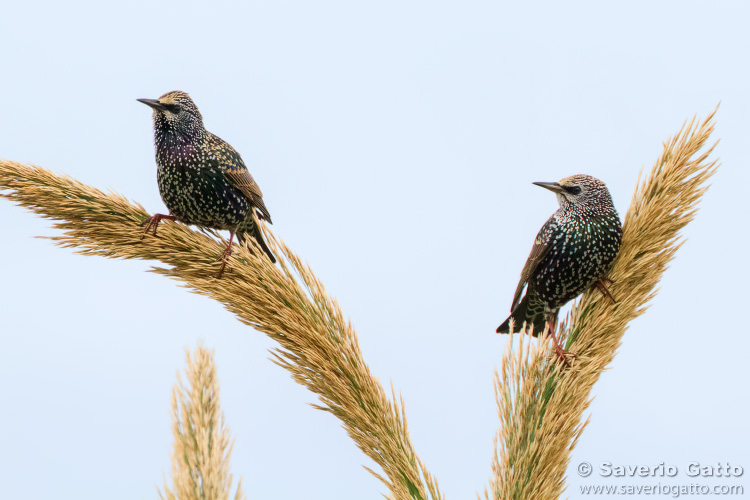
555	187
154	103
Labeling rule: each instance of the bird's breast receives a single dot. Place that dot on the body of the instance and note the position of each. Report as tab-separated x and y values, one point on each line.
195	190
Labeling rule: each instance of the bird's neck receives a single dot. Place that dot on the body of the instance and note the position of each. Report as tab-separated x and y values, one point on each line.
577	212
178	147
170	137
171	131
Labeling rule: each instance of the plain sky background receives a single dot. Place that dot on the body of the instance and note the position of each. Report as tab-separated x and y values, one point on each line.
395	143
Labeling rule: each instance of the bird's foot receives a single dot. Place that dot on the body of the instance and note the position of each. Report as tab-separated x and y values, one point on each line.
153	222
566	357
603	288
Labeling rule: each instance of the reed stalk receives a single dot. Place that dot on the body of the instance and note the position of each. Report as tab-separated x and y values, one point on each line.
202	444
285	301
540	404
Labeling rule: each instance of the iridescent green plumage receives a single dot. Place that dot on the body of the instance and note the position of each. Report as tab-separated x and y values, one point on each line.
573	250
202	179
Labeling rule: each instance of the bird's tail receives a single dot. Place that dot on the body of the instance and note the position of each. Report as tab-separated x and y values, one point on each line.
505	327
522	314
253	229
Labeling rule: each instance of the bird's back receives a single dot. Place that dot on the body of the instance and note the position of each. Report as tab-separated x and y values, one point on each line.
582	248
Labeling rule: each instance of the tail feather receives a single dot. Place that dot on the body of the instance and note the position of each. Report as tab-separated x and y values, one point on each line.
255	232
505	327
523	314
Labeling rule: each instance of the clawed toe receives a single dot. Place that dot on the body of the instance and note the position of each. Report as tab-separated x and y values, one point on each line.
603	288
566	357
153	222
149	222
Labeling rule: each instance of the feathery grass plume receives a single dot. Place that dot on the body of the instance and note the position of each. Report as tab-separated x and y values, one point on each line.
540	404
286	302
202	447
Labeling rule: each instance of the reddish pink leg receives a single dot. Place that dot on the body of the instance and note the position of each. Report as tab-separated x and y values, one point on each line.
561	353
603	288
153	222
227	254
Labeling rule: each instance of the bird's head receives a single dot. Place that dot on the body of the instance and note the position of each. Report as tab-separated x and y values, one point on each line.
579	191
175	112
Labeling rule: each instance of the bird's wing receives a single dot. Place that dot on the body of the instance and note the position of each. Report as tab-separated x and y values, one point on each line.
236	172
540	250
240	177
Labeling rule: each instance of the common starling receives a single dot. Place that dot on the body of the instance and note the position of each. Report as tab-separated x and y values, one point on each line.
574	250
202	179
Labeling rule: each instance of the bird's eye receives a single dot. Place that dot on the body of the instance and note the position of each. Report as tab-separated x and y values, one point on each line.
172	108
574	190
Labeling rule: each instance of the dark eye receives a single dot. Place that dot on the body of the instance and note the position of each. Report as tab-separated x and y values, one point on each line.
574	190
172	108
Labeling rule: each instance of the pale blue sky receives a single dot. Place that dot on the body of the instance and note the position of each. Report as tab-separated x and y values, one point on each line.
395	143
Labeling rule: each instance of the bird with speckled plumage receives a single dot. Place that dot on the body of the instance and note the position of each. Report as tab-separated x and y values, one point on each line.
202	179
572	251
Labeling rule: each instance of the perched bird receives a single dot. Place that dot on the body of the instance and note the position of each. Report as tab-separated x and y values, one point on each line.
202	179
574	250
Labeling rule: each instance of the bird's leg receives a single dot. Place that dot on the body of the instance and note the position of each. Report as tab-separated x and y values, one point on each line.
562	354
153	222
603	288
227	254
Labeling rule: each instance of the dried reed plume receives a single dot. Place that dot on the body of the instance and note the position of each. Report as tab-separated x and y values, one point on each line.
202	447
286	302
540	404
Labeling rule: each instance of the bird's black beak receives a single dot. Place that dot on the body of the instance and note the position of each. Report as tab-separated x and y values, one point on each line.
555	187
154	103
